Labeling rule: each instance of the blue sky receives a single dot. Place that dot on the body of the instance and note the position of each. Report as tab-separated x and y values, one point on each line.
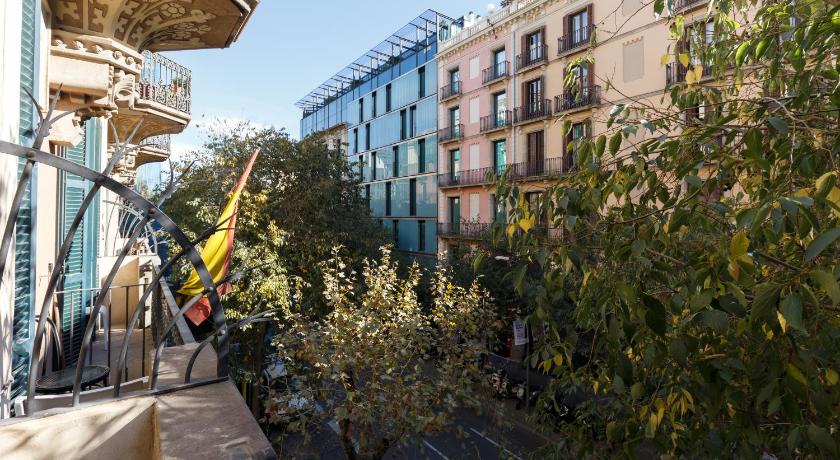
288	49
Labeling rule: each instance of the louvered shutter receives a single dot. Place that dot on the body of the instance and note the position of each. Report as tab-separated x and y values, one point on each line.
23	320
72	299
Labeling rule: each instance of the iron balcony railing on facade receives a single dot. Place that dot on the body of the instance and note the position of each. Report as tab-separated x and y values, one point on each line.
450	91
166	82
675	72
533	56
162	142
576	39
495	72
514	172
451	133
679	5
497	121
532	111
470	176
466	230
578	98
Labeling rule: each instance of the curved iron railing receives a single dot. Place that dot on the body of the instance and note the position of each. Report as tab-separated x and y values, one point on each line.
147	212
166	82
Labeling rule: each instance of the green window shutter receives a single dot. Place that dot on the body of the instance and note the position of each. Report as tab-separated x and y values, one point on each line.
23	319
72	298
93	158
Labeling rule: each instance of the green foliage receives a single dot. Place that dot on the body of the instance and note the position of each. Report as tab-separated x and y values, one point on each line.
703	260
385	367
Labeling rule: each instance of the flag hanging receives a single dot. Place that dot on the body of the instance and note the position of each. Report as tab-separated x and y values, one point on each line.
217	252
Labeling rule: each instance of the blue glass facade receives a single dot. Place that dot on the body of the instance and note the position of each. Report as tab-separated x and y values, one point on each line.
391	120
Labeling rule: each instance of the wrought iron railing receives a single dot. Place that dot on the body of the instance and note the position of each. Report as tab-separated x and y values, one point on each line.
532	111
675	72
514	172
484	231
679	5
151	213
495	72
499	120
575	39
166	82
162	142
450	133
532	56
577	98
451	90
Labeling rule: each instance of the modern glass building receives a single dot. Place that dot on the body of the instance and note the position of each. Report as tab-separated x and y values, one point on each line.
382	109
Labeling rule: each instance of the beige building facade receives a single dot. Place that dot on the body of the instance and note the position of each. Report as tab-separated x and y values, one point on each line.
565	61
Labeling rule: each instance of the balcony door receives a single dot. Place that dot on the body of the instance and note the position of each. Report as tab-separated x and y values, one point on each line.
455	213
500	108
499	57
534	44
454	120
579	26
500	156
455	165
533	96
579	131
536	153
454	76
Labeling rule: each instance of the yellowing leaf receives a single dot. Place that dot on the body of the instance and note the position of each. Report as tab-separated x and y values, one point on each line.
690	78
831	376
558	360
739	245
683	59
834	198
511	229
782	321
664	59
698	72
527	223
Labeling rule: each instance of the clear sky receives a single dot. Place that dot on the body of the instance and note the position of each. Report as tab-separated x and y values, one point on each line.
287	49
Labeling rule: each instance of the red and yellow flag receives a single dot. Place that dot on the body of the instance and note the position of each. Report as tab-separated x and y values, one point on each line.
217	252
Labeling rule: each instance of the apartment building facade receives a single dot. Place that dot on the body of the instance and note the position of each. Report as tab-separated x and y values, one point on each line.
102	65
504	103
382	111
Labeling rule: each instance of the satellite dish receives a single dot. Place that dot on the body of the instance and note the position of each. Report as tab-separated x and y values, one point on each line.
491	7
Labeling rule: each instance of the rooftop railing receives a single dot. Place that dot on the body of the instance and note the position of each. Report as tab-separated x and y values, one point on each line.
578	98
166	82
532	56
576	39
495	72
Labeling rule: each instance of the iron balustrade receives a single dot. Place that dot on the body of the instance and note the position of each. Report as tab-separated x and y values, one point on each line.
468	230
495	72
529	169
496	121
162	142
679	5
576	39
166	82
532	56
450	91
675	72
578	98
532	111
451	133
470	177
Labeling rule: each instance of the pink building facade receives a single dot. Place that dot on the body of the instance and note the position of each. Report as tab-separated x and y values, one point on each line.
475	140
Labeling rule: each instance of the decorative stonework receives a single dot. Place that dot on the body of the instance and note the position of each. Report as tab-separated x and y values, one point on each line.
156	25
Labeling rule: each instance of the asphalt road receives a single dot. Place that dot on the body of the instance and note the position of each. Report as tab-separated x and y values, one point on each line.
475	436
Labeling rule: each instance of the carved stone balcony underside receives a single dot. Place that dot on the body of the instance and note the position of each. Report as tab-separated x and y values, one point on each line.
164	25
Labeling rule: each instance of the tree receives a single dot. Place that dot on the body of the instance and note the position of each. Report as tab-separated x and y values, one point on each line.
301	200
386	369
703	258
